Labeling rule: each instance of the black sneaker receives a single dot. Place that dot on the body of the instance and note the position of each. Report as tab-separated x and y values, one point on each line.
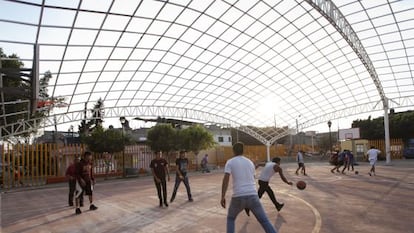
190	200
78	211
280	206
166	204
93	207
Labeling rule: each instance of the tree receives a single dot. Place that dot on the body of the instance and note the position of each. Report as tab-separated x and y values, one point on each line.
17	90
111	141
162	137
98	112
18	87
401	126
88	126
106	140
101	140
46	103
196	138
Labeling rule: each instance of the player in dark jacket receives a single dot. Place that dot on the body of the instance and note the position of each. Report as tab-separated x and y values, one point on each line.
181	175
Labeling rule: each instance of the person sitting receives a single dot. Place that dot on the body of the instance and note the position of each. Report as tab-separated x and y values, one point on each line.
204	164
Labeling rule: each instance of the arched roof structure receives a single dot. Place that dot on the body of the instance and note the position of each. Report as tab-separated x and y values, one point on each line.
240	63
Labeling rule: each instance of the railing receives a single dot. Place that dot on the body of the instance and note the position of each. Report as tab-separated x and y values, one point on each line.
396	150
36	165
40	164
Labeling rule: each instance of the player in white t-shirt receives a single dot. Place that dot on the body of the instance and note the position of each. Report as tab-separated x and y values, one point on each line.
301	162
244	195
270	168
372	158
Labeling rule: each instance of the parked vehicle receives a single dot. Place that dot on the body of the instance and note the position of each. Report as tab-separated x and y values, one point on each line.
1	174
408	152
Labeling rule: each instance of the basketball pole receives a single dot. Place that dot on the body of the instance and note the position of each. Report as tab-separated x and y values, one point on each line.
387	132
35	79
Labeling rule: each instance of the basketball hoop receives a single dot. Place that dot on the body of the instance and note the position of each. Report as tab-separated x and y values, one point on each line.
45	104
48	104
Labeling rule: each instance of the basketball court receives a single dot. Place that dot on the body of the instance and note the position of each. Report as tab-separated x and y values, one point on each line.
331	203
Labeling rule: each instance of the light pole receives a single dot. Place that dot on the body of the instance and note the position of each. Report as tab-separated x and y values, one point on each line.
71	131
298	136
123	120
330	137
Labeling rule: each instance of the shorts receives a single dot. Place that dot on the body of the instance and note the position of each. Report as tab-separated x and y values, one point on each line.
301	164
87	190
372	162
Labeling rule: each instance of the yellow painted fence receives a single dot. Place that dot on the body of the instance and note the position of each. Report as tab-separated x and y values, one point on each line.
40	164
35	165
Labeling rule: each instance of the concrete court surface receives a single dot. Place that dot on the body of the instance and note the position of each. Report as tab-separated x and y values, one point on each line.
331	203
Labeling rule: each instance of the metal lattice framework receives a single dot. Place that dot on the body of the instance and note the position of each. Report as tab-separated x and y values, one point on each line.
237	63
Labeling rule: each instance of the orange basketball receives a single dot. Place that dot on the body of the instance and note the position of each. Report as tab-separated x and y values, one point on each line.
301	184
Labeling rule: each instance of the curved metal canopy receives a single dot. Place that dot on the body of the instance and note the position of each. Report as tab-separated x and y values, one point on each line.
238	63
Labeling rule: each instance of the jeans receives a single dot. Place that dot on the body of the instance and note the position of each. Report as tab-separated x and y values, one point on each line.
177	184
161	185
251	202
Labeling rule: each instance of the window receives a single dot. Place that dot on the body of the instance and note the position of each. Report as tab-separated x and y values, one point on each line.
360	148
220	139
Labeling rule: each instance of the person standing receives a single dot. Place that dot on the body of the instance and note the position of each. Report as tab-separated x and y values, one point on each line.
244	195
108	164
71	177
372	158
204	164
340	161
348	161
301	163
85	178
159	168
17	175
181	175
351	160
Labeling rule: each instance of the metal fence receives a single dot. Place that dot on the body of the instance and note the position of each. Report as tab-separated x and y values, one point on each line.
35	165
396	150
40	164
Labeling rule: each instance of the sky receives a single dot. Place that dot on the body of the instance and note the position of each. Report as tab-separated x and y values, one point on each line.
286	64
